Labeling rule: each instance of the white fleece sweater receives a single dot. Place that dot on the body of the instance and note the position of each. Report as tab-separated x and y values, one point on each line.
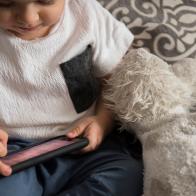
34	99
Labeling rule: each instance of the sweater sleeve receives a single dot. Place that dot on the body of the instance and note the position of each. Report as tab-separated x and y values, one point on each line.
111	39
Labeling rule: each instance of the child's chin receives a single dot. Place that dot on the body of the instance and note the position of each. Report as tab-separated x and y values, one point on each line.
29	34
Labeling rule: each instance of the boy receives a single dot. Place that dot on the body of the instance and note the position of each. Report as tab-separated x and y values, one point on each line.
53	55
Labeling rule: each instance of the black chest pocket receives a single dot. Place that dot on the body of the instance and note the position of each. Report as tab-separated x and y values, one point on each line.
83	87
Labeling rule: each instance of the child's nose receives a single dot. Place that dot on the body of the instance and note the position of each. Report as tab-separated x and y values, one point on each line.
28	15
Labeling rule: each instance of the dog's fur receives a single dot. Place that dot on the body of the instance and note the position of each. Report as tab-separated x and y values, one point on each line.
154	99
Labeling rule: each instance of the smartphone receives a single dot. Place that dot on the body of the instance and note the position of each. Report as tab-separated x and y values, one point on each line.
42	151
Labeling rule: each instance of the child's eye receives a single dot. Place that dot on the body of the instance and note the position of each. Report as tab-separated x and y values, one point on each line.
6	4
46	2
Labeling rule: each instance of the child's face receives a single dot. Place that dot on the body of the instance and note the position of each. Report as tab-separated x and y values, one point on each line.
30	19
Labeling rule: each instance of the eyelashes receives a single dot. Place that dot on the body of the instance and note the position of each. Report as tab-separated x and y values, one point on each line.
46	2
7	4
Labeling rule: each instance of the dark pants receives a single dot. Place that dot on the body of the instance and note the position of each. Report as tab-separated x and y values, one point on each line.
108	171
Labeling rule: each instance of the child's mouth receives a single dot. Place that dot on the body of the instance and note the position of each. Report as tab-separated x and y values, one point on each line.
28	29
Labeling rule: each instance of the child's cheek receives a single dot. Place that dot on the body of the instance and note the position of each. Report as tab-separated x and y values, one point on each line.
6	19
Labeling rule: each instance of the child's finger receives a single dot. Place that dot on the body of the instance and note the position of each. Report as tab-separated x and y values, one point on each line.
3	143
3	150
3	137
93	141
5	169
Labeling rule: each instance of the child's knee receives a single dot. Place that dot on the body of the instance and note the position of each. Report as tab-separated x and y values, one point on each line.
20	184
122	177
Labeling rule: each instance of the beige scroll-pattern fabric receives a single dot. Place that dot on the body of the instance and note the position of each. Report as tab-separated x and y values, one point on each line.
166	28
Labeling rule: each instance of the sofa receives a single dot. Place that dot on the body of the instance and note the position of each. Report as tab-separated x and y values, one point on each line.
164	27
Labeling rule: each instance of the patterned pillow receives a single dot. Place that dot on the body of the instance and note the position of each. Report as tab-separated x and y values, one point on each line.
166	27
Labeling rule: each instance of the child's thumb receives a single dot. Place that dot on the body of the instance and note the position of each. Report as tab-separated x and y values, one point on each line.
3	137
3	150
74	132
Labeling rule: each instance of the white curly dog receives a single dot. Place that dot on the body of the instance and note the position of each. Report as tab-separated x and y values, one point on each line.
155	100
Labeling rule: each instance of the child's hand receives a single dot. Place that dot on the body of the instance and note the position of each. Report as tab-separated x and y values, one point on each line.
4	169
95	128
91	128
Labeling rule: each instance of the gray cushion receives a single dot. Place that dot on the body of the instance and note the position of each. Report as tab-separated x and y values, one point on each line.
166	27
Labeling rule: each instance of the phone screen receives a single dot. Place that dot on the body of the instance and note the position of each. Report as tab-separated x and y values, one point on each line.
37	150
